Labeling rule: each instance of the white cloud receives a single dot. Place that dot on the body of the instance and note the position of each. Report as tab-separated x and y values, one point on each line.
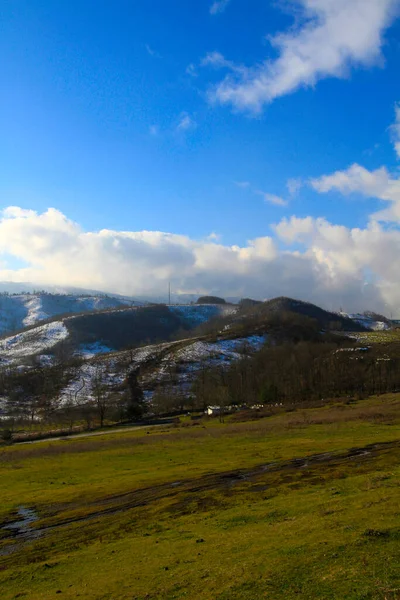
272	199
16	211
332	36
378	184
218	6
354	179
186	122
295	229
294	185
372	184
346	254
218	61
330	270
154	130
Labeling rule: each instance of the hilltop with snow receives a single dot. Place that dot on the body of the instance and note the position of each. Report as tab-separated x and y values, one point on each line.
22	310
99	324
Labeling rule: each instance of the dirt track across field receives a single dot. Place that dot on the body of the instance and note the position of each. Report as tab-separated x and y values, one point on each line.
75	436
314	468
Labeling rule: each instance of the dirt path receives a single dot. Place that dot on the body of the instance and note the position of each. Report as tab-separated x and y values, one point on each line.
74	436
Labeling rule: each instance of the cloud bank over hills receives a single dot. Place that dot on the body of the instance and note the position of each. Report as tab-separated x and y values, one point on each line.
331	264
307	258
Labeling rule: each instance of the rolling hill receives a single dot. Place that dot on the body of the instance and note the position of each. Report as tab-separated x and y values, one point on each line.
102	331
22	310
324	318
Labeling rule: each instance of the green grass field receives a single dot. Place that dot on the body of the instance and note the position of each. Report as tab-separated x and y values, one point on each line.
214	511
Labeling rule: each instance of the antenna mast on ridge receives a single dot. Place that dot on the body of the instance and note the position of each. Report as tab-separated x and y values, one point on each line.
169	292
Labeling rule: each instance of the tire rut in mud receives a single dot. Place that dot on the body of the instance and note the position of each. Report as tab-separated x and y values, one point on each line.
312	466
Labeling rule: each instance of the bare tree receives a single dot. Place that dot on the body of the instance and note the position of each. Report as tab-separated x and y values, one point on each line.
100	393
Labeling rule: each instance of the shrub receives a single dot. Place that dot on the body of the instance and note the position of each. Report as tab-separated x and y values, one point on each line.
6	435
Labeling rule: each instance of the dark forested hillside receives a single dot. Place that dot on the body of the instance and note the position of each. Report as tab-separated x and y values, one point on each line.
285	319
324	318
120	329
210	300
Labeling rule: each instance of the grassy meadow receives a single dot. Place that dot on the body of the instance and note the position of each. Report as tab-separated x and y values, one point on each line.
279	507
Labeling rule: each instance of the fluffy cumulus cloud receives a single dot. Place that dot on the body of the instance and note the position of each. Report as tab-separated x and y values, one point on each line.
314	260
350	259
323	43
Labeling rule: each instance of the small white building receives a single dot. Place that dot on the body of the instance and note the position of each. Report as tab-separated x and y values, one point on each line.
213	410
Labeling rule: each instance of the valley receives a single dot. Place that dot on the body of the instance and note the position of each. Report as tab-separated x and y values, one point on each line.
74	368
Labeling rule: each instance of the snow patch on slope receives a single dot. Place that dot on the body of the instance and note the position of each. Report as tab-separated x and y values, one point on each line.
193	356
80	389
34	341
367	322
221	349
90	350
34	306
113	370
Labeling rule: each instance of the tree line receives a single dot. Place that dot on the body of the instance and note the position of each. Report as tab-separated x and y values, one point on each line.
64	395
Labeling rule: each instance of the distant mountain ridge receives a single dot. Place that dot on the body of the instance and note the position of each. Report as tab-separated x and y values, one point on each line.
29	287
35	323
12	287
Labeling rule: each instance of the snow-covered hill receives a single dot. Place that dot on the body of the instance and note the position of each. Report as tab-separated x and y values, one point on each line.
87	334
22	310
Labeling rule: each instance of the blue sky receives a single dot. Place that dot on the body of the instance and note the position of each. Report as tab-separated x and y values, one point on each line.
145	115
